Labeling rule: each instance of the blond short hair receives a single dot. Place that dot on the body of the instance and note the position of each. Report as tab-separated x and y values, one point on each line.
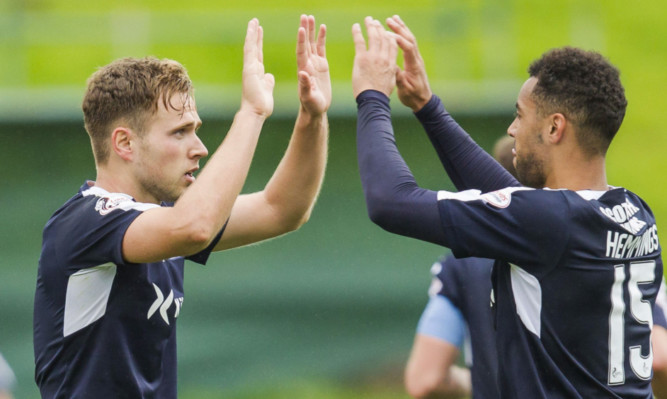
127	91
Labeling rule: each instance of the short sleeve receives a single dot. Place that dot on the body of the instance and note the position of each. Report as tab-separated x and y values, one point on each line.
90	232
442	320
202	256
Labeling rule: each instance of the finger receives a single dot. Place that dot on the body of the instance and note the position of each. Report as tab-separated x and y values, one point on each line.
260	43
250	45
270	80
393	47
304	82
358	37
322	41
303	26
385	39
311	32
301	50
303	23
397	25
409	47
371	31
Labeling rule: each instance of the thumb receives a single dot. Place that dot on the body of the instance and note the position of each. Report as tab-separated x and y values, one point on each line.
304	81
270	80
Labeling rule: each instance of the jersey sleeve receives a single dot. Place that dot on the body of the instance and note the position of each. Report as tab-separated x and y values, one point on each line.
466	163
522	226
202	256
442	320
91	233
394	200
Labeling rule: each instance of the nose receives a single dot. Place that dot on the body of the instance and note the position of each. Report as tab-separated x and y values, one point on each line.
199	149
511	129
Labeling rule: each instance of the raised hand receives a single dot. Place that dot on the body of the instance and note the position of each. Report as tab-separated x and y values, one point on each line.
375	67
412	82
312	67
257	85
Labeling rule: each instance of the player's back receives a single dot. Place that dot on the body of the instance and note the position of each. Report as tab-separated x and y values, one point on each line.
585	315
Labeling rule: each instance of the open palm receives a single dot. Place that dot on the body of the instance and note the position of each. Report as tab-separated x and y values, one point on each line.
313	67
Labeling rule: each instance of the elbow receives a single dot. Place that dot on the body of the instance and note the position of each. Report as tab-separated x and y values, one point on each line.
421	386
659	344
198	235
380	211
292	221
660	365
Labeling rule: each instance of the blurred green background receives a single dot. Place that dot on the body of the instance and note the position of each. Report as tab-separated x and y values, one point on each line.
328	311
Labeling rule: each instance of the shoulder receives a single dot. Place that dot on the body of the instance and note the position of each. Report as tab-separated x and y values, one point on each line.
106	202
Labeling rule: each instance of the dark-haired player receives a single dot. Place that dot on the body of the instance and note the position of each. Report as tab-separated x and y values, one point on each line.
578	262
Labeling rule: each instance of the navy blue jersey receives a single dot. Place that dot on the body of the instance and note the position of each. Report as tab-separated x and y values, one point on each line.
104	328
576	278
467	284
577	273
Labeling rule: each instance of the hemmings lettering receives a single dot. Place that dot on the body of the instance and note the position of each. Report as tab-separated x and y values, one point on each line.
624	246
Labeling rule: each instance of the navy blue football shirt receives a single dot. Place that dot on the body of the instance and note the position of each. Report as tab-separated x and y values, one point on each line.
104	328
577	273
576	279
466	284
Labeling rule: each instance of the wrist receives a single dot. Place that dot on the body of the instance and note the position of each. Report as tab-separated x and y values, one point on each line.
421	102
308	115
248	112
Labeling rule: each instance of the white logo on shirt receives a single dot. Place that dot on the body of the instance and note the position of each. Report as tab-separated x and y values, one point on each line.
108	203
164	304
624	214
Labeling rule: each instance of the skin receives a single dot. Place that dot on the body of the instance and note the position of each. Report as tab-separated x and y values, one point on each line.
160	164
659	344
431	371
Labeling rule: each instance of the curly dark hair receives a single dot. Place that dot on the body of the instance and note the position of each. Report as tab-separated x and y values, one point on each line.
586	88
127	91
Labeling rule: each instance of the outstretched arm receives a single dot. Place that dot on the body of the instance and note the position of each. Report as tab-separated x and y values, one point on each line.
467	164
395	202
198	215
288	198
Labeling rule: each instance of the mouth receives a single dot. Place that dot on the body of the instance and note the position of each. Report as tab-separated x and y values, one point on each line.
190	175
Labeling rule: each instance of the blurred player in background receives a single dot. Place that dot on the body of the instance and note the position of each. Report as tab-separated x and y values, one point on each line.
578	262
7	379
659	342
110	277
458	310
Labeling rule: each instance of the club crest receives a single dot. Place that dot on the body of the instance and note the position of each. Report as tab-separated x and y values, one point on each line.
105	205
499	199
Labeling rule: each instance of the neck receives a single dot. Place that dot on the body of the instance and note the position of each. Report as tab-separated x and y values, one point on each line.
578	173
116	181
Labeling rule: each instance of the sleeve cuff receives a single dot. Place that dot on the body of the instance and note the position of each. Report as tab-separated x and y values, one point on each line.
372	95
432	107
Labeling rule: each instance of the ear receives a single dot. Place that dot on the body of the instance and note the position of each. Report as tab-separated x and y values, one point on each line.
557	124
121	143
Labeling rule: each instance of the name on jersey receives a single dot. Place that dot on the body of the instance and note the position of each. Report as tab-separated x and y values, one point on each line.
623	245
624	214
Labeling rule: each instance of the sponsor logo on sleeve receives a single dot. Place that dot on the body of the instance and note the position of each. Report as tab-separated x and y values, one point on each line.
499	199
107	204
